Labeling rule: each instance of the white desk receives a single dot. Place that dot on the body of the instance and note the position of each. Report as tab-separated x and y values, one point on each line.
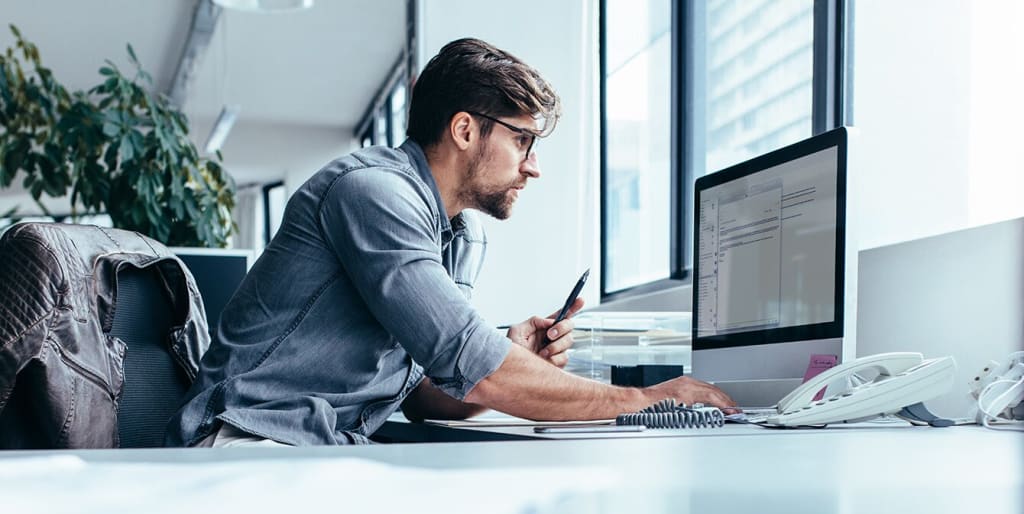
923	470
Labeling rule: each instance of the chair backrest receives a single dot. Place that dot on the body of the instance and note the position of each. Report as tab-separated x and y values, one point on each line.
153	383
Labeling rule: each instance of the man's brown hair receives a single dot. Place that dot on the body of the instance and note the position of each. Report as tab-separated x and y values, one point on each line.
474	76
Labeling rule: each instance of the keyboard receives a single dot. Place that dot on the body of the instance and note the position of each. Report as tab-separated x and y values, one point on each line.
753	414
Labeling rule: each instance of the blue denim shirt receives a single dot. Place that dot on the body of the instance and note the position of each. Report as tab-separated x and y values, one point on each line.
363	291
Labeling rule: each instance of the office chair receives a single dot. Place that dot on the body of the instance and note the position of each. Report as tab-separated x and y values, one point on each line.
101	332
153	383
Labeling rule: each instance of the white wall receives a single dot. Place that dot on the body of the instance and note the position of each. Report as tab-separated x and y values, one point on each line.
258	151
535	257
996	178
937	97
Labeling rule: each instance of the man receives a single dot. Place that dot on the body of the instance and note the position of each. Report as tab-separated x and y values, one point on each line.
360	302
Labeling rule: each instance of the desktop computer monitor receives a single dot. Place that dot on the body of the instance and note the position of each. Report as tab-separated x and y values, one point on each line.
218	273
774	269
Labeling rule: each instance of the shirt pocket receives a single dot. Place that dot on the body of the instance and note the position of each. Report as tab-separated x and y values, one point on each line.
465	261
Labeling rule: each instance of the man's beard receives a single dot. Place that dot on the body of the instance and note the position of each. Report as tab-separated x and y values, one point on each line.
494	200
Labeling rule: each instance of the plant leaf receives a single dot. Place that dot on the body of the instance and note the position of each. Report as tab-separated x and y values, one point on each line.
111	129
131	53
127	151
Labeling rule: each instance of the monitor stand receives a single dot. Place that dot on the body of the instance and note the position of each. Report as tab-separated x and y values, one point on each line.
761	375
758	393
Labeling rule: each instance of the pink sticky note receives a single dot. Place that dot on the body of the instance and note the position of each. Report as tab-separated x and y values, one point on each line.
818	364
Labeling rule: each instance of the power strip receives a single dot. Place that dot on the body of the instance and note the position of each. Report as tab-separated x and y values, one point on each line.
1001	392
994	371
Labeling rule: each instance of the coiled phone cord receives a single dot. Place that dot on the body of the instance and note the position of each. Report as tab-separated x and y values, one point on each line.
667	414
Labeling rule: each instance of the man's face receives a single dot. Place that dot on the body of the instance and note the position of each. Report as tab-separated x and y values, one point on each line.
500	168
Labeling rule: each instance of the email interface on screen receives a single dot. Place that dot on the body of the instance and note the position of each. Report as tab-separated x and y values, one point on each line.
767	248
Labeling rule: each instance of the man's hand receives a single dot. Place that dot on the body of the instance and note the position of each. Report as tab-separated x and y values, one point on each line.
530	334
690	391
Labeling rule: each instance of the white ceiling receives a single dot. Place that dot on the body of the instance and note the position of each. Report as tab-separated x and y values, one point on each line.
319	67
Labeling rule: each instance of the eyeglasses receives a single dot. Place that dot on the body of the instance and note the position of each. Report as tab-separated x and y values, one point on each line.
527	138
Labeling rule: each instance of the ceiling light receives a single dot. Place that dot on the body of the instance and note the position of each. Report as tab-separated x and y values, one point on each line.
265	6
221	127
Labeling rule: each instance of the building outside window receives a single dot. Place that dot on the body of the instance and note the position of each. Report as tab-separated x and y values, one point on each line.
724	80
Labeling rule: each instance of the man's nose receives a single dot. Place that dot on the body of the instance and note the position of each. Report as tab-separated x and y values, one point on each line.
531	166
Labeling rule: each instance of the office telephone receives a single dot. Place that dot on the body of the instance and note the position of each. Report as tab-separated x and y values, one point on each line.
903	379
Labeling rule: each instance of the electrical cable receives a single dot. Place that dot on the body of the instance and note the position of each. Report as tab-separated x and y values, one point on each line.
987	417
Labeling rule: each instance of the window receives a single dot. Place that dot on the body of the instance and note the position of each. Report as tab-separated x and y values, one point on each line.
758	69
381	120
385	120
637	147
689	88
397	110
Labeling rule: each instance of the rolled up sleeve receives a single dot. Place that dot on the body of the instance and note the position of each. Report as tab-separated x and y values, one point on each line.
380	225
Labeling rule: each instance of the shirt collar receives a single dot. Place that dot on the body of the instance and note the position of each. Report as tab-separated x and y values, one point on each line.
419	162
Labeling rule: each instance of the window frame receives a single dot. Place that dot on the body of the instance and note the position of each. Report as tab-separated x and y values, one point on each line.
832	107
265	196
379	110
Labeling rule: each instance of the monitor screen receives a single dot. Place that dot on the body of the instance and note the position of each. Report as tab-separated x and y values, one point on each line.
769	248
218	273
774	283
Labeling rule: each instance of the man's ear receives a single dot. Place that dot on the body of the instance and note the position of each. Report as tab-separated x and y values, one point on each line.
461	130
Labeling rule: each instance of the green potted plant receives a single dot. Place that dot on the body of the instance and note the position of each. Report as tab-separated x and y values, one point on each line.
119	148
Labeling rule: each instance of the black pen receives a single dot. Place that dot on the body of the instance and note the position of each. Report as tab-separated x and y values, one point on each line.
569	301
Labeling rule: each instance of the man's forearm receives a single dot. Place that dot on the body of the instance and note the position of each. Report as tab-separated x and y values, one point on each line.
526	386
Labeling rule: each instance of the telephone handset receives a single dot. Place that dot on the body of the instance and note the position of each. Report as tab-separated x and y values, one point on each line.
904	378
